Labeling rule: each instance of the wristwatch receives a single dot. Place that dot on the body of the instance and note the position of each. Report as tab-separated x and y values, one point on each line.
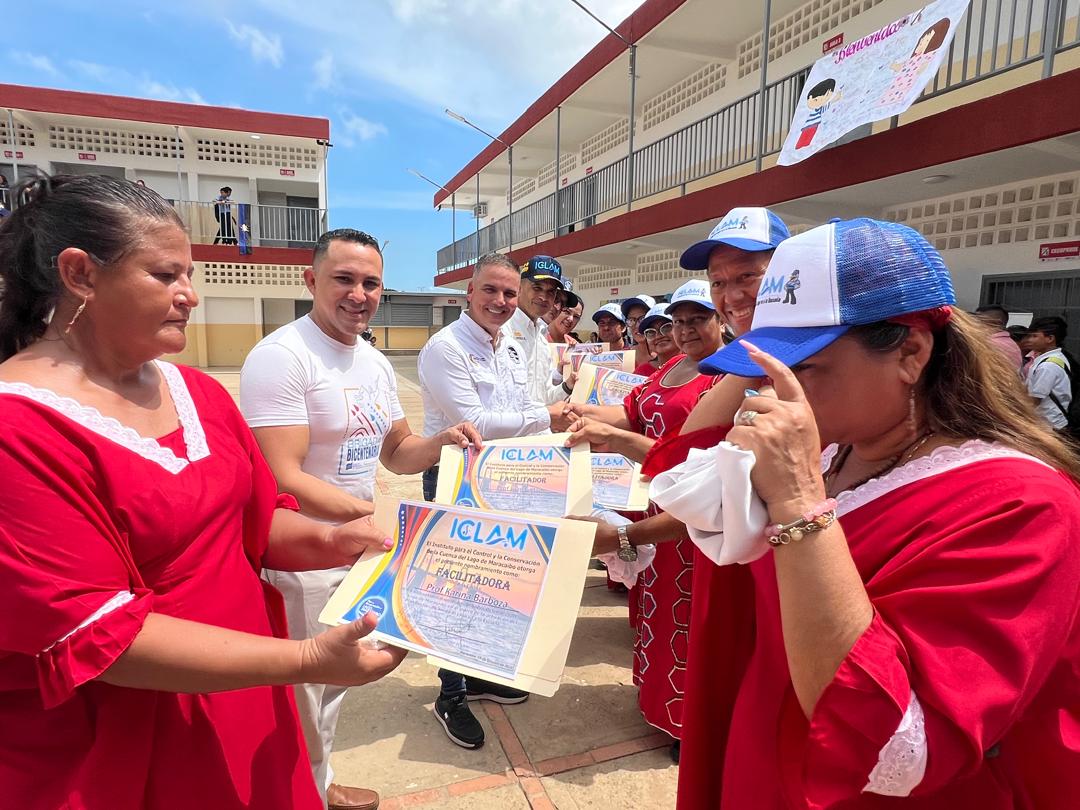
626	552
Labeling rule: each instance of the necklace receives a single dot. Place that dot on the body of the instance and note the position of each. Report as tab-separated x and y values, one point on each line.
898	460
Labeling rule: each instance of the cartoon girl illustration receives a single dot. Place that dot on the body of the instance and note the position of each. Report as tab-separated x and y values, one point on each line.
908	71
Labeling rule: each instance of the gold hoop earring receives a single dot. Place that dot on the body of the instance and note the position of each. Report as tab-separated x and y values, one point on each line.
75	317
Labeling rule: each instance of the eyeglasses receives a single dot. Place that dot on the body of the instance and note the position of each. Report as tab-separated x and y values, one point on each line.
663	331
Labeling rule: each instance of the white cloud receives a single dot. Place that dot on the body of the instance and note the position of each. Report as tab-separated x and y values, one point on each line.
324	71
36	61
264	47
118	80
488	59
356	128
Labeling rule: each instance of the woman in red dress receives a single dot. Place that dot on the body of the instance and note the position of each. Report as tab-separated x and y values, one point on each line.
916	642
143	663
660	602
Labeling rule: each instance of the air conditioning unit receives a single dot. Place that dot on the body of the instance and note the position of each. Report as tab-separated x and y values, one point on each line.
479	211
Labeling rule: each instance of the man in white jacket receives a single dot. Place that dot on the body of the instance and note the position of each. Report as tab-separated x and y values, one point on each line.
473	370
541	280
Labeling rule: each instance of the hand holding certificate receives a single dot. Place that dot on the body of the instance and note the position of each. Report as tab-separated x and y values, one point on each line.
486	593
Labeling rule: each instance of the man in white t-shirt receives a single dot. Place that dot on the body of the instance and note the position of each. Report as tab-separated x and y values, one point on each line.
324	408
1048	379
472	370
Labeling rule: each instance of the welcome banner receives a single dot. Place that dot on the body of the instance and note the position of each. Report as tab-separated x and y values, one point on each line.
873	78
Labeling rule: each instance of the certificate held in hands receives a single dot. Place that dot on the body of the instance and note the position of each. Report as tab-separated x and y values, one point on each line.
528	475
489	594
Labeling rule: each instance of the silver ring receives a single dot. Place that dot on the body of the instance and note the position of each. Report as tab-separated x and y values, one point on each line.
747	417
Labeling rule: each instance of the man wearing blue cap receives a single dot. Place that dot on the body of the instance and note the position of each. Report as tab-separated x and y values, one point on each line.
541	281
735	256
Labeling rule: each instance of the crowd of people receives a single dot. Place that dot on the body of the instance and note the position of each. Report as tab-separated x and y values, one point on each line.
864	584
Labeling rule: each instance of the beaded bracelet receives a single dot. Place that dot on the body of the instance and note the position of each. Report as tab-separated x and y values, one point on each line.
814	520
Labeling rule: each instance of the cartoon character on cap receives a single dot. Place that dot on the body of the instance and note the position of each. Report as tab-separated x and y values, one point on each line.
791	286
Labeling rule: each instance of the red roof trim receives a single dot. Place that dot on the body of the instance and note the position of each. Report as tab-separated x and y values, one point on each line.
1026	114
122	108
649	15
230	254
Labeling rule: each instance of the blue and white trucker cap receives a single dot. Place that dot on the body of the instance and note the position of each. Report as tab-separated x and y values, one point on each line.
692	292
828	279
656	313
646	301
752	229
614	310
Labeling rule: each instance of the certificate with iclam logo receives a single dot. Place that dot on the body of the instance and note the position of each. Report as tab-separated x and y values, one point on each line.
485	593
597	385
617	483
529	475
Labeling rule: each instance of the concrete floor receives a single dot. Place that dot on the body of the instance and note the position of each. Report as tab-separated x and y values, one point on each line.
585	747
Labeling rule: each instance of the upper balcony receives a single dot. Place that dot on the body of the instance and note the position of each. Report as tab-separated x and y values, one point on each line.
266	225
739	130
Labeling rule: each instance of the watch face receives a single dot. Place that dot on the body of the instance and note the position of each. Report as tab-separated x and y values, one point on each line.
627	554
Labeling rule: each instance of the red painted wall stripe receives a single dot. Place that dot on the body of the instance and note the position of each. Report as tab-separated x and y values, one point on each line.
649	15
122	108
1033	112
230	254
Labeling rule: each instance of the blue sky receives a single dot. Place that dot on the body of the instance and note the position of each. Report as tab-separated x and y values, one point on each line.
381	70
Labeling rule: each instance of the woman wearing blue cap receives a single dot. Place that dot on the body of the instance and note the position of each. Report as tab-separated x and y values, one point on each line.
916	587
660	602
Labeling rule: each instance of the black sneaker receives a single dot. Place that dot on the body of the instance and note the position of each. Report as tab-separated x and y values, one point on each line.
477	689
456	718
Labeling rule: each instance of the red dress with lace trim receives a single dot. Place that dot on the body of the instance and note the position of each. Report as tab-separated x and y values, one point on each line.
96	535
660	603
976	608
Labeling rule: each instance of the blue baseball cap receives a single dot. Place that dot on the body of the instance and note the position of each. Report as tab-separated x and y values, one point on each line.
824	281
646	301
752	229
656	313
542	268
694	291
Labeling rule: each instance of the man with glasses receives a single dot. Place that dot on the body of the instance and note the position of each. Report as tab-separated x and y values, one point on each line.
611	325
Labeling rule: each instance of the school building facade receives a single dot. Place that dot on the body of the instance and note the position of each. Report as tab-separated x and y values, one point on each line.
986	163
249	254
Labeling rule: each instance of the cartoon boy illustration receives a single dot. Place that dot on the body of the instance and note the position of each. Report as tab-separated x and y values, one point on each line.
792	285
908	71
819	98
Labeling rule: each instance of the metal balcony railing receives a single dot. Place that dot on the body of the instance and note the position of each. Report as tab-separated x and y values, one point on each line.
268	225
994	36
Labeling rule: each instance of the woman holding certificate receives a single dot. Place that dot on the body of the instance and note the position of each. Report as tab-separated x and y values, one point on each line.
660	602
916	631
142	660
